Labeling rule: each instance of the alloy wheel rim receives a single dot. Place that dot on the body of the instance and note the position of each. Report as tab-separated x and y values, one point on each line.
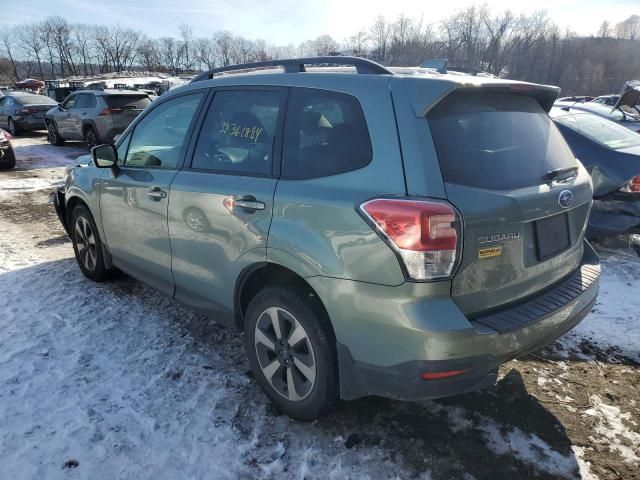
91	139
285	354
85	243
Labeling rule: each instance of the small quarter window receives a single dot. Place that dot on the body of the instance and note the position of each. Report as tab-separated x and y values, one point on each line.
325	134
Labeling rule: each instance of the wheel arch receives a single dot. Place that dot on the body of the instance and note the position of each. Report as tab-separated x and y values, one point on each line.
254	277
86	123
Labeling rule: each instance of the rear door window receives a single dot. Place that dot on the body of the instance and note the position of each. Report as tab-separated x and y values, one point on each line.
134	102
238	132
82	101
325	134
496	140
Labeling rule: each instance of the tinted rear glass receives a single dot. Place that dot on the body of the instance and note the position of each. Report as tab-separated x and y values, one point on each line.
128	101
34	100
496	140
325	134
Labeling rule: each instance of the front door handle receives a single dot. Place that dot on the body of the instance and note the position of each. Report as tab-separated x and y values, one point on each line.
156	193
249	202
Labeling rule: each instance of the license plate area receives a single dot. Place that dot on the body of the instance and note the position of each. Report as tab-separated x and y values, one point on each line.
552	235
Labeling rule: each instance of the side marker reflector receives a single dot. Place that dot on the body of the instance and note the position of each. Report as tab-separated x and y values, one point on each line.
441	375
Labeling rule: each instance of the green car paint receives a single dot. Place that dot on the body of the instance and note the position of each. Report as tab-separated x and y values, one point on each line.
195	246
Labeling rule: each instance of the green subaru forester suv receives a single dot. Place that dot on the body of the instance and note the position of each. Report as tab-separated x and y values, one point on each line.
373	231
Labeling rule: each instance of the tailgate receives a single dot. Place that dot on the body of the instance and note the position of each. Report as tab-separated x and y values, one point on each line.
124	108
523	197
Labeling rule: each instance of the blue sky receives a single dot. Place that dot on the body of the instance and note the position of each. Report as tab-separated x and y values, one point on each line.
292	21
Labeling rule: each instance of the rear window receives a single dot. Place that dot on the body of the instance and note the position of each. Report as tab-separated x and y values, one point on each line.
34	100
133	102
496	140
601	130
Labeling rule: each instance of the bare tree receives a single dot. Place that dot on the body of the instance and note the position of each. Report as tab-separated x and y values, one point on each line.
30	39
7	39
605	29
224	48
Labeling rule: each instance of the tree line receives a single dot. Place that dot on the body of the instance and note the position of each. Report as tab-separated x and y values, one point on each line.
518	46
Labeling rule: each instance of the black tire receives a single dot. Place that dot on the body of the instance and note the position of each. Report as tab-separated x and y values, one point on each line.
53	136
91	137
14	128
88	252
301	305
8	160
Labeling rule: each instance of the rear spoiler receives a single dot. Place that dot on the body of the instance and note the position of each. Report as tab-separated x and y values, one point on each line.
424	96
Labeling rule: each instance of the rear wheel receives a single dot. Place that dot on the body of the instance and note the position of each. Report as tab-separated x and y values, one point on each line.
87	245
291	350
14	129
90	137
52	134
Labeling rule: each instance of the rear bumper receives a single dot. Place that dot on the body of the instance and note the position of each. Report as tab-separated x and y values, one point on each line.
28	122
388	336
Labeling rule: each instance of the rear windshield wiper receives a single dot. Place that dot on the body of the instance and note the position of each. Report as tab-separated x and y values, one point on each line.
554	174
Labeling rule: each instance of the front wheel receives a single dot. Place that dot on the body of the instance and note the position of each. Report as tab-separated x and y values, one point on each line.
52	134
90	137
87	244
291	350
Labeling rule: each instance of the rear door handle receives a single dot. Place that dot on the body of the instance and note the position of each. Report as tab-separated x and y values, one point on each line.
249	202
156	193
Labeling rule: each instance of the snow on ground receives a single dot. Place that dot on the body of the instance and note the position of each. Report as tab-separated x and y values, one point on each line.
614	322
114	380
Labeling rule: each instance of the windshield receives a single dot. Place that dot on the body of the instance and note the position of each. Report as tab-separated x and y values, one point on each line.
601	130
496	140
35	100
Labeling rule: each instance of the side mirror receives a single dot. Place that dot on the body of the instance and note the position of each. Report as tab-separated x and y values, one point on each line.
104	156
60	107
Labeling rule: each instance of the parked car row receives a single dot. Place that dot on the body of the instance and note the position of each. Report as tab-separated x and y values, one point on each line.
94	116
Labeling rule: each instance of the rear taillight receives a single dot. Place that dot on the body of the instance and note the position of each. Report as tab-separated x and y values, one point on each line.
632	186
423	232
28	111
110	111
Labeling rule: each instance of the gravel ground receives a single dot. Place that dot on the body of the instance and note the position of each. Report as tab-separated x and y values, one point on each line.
118	381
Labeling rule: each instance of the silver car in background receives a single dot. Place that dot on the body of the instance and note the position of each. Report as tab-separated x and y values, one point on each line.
23	111
94	116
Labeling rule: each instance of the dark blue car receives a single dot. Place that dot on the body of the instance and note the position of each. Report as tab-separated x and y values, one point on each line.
611	153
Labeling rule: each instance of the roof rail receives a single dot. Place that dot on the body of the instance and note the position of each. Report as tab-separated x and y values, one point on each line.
295	65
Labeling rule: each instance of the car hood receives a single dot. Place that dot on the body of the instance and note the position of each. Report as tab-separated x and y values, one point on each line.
629	95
